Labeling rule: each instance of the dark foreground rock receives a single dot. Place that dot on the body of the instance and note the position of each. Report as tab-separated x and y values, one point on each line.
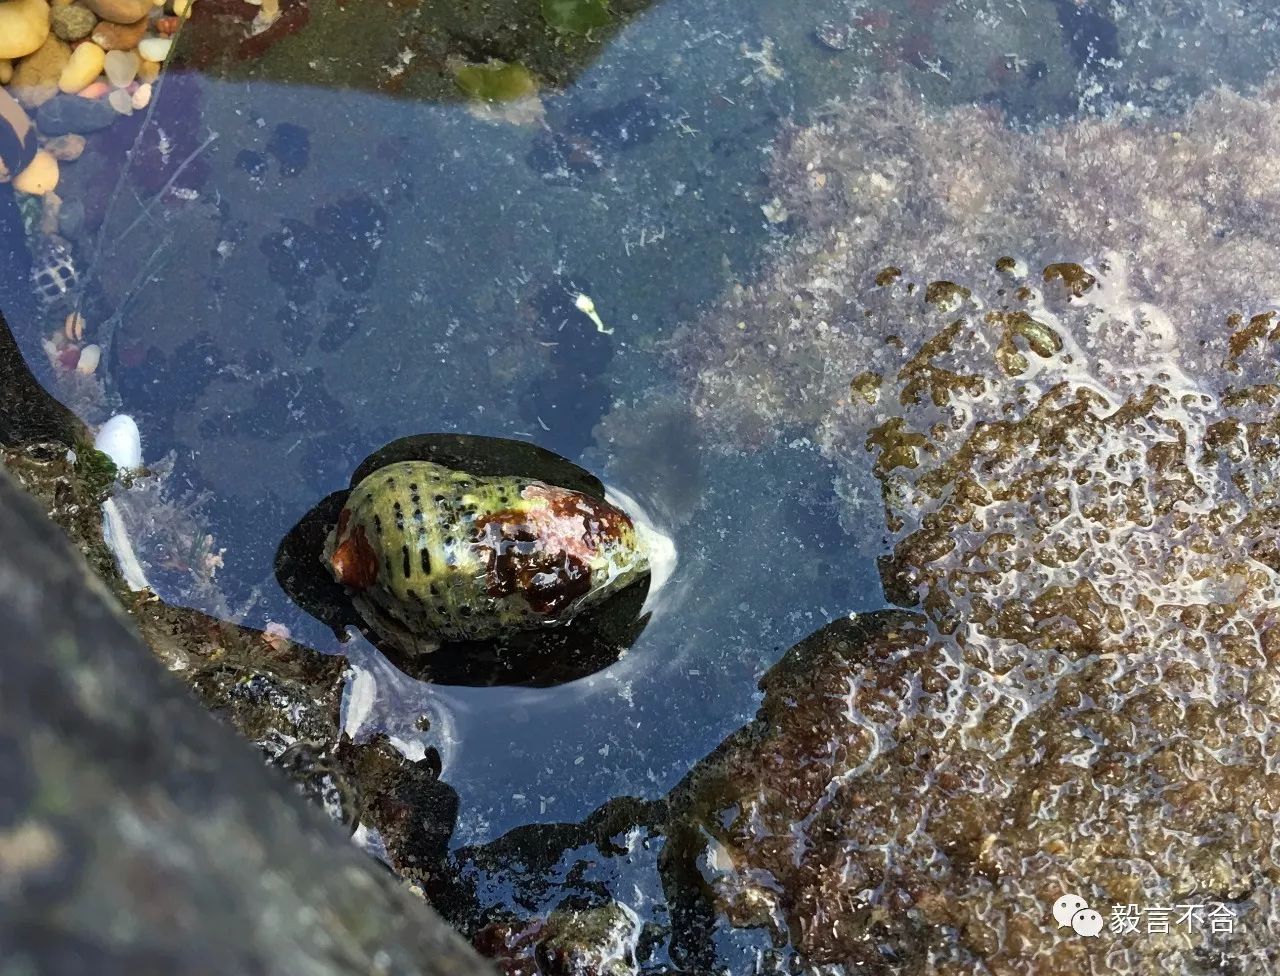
137	834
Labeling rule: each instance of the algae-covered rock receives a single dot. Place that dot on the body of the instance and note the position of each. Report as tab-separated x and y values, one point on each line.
1077	699
281	696
1091	536
877	181
407	52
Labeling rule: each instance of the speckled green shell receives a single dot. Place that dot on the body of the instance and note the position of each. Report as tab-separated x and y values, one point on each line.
433	554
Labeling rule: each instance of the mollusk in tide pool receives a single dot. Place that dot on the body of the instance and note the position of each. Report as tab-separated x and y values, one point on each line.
432	552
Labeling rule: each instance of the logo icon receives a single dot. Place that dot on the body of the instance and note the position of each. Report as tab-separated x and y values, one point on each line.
1074	912
1065	907
1087	922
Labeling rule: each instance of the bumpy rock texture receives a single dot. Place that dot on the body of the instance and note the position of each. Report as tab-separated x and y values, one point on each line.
113	750
1085	704
880	182
1079	465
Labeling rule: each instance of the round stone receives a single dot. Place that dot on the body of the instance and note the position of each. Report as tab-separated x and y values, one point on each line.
120	11
73	23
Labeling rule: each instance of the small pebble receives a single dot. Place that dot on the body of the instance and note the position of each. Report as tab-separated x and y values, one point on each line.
148	71
182	7
121	68
70	113
83	68
96	90
155	48
6	71
69	357
72	23
40	176
119	11
36	77
89	357
168	26
121	101
119	37
141	97
50	208
65	148
71	218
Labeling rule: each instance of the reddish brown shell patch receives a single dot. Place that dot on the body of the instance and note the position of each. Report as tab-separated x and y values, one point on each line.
355	564
519	561
601	522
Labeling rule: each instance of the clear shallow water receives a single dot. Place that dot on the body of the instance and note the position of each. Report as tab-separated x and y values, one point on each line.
335	268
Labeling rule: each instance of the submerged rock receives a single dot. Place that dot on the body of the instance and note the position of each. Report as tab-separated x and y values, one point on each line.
877	181
1092	538
1079	462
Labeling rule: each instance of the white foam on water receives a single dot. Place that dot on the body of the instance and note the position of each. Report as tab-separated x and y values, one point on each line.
663	557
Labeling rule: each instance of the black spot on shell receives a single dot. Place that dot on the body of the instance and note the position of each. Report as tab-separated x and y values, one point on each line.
408	566
377	525
426	562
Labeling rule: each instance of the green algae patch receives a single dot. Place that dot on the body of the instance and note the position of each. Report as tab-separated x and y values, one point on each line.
576	16
495	81
95	470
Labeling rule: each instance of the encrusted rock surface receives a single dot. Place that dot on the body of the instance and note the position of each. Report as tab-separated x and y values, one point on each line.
139	835
1085	706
